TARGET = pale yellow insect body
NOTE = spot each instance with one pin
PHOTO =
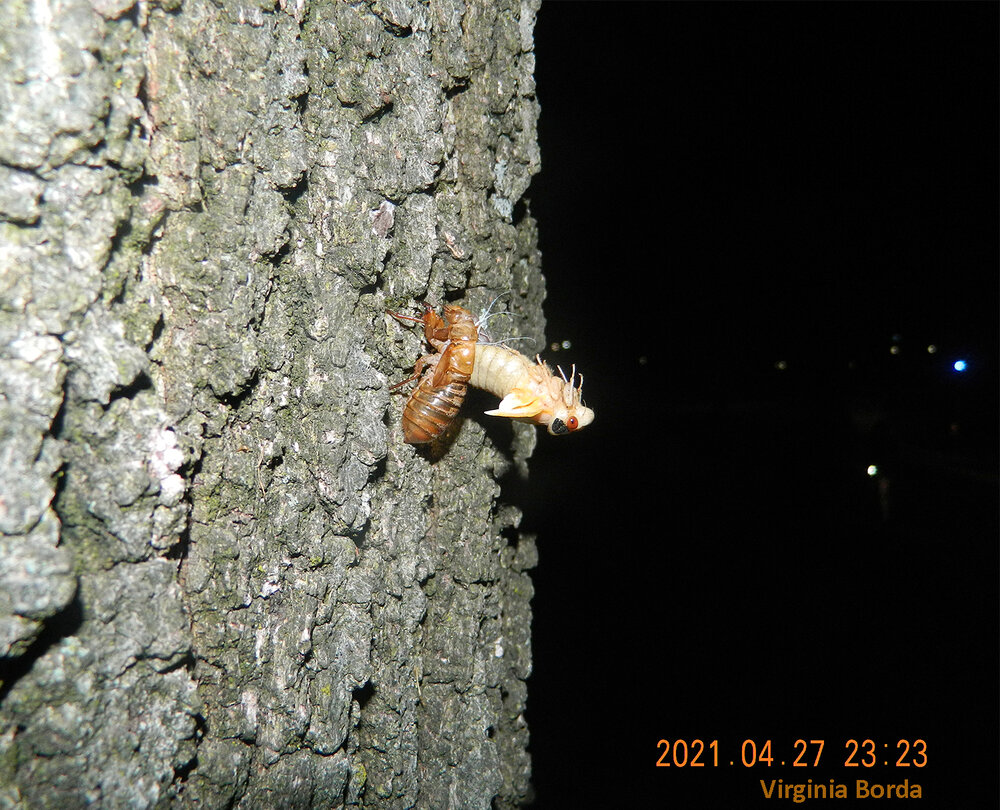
(529, 390)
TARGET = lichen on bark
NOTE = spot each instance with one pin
(225, 579)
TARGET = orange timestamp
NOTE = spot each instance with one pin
(866, 753)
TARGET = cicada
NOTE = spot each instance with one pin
(528, 389)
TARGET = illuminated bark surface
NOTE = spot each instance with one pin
(224, 579)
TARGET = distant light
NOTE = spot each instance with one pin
(894, 350)
(566, 344)
(872, 470)
(781, 365)
(932, 349)
(960, 366)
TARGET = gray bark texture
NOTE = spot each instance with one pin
(224, 579)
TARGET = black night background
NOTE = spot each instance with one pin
(770, 232)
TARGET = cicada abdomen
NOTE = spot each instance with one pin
(431, 409)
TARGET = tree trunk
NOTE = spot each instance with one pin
(224, 579)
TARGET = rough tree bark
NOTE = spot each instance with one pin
(224, 579)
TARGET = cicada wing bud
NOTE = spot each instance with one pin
(518, 405)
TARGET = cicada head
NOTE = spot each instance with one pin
(568, 414)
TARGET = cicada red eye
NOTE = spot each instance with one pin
(572, 423)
